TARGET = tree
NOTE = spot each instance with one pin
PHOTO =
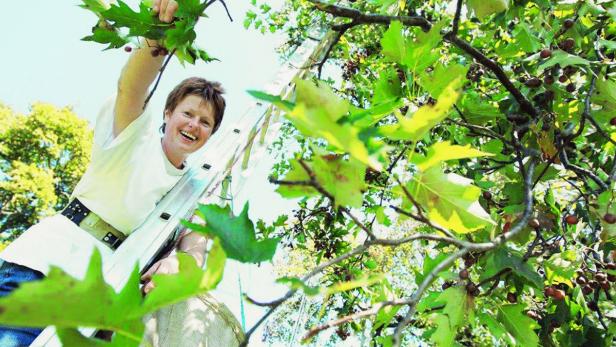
(42, 156)
(489, 122)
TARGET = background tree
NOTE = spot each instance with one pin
(42, 156)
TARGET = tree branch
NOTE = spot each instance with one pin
(359, 17)
(525, 104)
(160, 74)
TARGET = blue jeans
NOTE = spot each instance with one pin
(11, 275)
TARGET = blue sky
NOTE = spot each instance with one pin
(44, 60)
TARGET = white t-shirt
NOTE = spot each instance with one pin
(126, 177)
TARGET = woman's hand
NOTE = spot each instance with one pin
(166, 9)
(168, 265)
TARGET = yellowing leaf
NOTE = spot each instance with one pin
(484, 8)
(415, 127)
(320, 96)
(451, 200)
(343, 179)
(441, 78)
(444, 151)
(316, 121)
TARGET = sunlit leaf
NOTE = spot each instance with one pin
(444, 151)
(415, 127)
(236, 234)
(450, 200)
(343, 179)
(484, 8)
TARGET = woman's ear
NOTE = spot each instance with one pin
(167, 114)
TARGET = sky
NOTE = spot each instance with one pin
(45, 60)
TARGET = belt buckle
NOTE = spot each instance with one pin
(112, 240)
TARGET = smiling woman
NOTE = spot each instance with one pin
(193, 112)
(131, 169)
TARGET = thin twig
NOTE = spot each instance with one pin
(226, 9)
(349, 318)
(160, 74)
(339, 32)
(421, 216)
(422, 288)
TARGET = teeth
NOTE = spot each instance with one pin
(190, 136)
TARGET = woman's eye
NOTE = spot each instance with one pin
(187, 114)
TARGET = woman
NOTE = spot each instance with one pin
(131, 170)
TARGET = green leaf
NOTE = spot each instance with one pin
(343, 179)
(65, 302)
(122, 15)
(440, 79)
(417, 53)
(518, 324)
(444, 151)
(387, 87)
(295, 283)
(429, 264)
(525, 39)
(394, 43)
(563, 59)
(415, 127)
(106, 36)
(96, 6)
(190, 8)
(450, 200)
(454, 314)
(561, 267)
(382, 293)
(485, 8)
(316, 114)
(320, 96)
(478, 110)
(495, 327)
(274, 99)
(605, 94)
(188, 282)
(236, 234)
(504, 258)
(366, 118)
(296, 174)
(182, 35)
(72, 337)
(421, 52)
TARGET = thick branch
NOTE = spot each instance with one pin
(525, 104)
(359, 17)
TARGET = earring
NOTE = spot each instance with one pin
(162, 128)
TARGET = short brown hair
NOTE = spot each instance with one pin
(209, 91)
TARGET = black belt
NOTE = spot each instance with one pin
(89, 221)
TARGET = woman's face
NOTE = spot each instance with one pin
(188, 128)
